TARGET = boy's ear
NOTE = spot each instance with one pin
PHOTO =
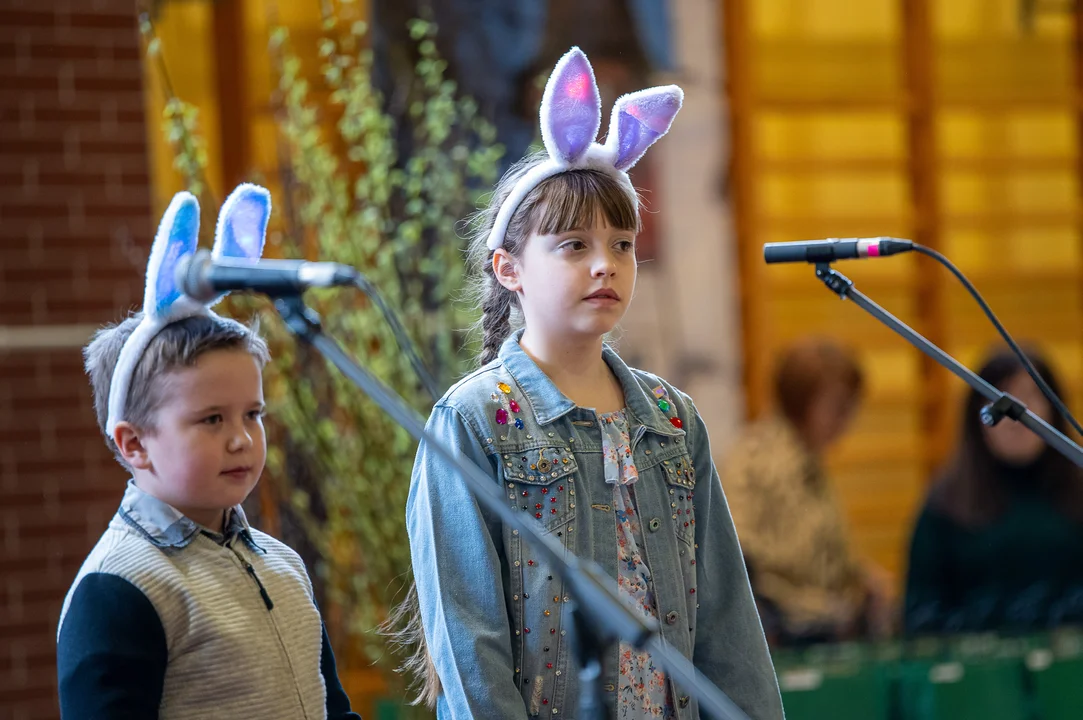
(129, 441)
(506, 270)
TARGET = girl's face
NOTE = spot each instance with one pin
(1008, 440)
(573, 284)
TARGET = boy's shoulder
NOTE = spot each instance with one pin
(274, 549)
(123, 551)
(165, 575)
(119, 553)
(157, 571)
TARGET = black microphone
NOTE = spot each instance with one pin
(815, 251)
(202, 278)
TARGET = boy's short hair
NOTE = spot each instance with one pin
(178, 345)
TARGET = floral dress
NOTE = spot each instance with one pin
(643, 690)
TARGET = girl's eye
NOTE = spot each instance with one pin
(255, 414)
(573, 245)
(626, 245)
(212, 419)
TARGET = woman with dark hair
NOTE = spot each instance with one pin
(999, 543)
(808, 582)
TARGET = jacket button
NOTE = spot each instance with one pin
(684, 701)
(672, 616)
(654, 524)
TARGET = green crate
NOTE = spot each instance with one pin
(837, 688)
(1056, 677)
(978, 689)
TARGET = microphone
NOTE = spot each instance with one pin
(816, 251)
(202, 278)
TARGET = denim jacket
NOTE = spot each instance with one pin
(496, 617)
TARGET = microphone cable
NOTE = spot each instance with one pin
(1027, 365)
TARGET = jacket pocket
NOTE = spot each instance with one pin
(680, 478)
(541, 481)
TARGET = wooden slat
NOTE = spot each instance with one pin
(919, 57)
(1006, 202)
(736, 39)
(231, 69)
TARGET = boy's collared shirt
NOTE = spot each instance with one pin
(166, 527)
(169, 619)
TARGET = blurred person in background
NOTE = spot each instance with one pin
(809, 584)
(999, 542)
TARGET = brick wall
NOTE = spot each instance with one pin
(74, 228)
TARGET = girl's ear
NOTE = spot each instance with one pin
(506, 270)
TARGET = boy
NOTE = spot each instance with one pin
(182, 610)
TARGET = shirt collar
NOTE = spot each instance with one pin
(166, 527)
(549, 404)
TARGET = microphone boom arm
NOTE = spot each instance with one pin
(1001, 403)
(597, 607)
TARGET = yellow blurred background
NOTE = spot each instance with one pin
(954, 124)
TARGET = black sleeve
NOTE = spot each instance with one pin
(111, 653)
(338, 704)
(927, 598)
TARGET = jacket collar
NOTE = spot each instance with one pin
(549, 404)
(166, 527)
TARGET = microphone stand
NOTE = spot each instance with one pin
(1001, 404)
(601, 617)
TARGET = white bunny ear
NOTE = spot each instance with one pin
(178, 236)
(163, 301)
(638, 120)
(242, 223)
(571, 108)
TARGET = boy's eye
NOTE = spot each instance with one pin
(212, 419)
(256, 414)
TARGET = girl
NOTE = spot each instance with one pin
(999, 543)
(613, 461)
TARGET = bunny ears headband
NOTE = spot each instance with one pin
(242, 225)
(571, 114)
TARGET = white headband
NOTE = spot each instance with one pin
(242, 226)
(571, 114)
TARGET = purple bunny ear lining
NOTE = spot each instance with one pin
(640, 119)
(571, 111)
(242, 223)
(633, 139)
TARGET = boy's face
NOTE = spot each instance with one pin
(208, 448)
